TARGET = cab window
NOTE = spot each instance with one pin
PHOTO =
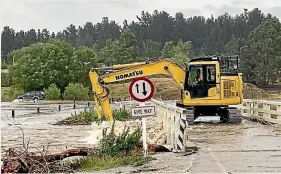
(211, 73)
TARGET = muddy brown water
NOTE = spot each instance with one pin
(37, 128)
(246, 148)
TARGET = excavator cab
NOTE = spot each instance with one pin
(211, 85)
(200, 79)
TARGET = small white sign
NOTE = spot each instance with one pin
(141, 111)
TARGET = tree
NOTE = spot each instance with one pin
(167, 51)
(7, 40)
(83, 60)
(261, 58)
(41, 64)
(181, 52)
(151, 49)
(76, 91)
(122, 50)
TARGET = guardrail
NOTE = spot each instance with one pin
(269, 111)
(174, 124)
(173, 119)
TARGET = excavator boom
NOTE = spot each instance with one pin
(130, 71)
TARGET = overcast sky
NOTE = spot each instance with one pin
(57, 15)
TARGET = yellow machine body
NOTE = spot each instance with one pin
(211, 95)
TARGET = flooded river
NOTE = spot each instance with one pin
(246, 148)
(37, 128)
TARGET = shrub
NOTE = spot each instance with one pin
(88, 117)
(112, 145)
(5, 80)
(120, 114)
(4, 65)
(52, 92)
(115, 151)
(11, 94)
(76, 91)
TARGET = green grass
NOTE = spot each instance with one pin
(91, 116)
(94, 163)
(88, 116)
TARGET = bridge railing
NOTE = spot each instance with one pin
(174, 123)
(269, 111)
(173, 119)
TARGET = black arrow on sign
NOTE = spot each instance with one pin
(137, 85)
(144, 90)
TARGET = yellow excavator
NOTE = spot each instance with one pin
(209, 86)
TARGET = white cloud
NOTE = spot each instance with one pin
(57, 15)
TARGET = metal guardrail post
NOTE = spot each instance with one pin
(13, 113)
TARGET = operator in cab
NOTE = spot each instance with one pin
(199, 75)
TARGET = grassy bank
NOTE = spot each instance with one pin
(114, 151)
(94, 163)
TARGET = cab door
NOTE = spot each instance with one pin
(213, 80)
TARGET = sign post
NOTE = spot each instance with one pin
(142, 89)
(143, 121)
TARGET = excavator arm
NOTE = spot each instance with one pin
(130, 71)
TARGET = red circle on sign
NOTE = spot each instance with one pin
(131, 89)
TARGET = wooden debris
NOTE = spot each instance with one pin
(21, 161)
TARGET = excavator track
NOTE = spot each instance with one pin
(234, 115)
(231, 115)
(190, 115)
(228, 114)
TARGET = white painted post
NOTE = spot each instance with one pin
(279, 111)
(169, 115)
(130, 102)
(256, 105)
(172, 123)
(248, 105)
(143, 120)
(266, 108)
(176, 126)
(279, 108)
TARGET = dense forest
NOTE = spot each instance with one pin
(253, 35)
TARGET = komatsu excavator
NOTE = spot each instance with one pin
(209, 86)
